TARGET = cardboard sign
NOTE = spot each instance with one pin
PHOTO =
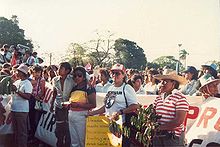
(98, 134)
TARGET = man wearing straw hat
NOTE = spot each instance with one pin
(172, 106)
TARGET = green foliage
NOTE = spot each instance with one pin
(75, 54)
(129, 54)
(115, 128)
(152, 65)
(167, 61)
(145, 125)
(11, 34)
(183, 53)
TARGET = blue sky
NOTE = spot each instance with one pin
(158, 26)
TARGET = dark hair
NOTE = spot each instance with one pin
(36, 68)
(136, 77)
(176, 84)
(34, 53)
(6, 46)
(66, 65)
(6, 65)
(81, 69)
(154, 72)
(104, 72)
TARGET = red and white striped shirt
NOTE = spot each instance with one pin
(167, 107)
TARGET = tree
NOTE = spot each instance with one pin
(129, 54)
(75, 54)
(167, 61)
(182, 55)
(11, 33)
(100, 49)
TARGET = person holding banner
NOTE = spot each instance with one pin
(83, 98)
(20, 106)
(120, 99)
(172, 106)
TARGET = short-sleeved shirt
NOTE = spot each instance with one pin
(20, 104)
(190, 88)
(167, 107)
(81, 94)
(63, 95)
(102, 88)
(116, 94)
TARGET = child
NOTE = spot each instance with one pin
(38, 92)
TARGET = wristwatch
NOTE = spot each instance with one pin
(121, 111)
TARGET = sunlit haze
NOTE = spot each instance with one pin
(158, 26)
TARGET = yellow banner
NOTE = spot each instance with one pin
(98, 134)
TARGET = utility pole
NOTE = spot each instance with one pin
(50, 56)
(179, 51)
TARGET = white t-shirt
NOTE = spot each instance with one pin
(20, 104)
(151, 89)
(102, 88)
(116, 94)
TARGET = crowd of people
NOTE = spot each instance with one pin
(74, 96)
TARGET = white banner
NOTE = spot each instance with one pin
(206, 129)
(202, 132)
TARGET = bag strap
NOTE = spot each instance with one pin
(126, 101)
(38, 85)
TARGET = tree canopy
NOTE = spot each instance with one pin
(11, 33)
(130, 54)
(166, 61)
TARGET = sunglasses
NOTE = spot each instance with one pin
(166, 81)
(78, 75)
(116, 73)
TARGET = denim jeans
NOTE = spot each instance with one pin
(62, 127)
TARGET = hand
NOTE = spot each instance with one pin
(115, 116)
(90, 113)
(14, 88)
(74, 104)
(38, 98)
(66, 104)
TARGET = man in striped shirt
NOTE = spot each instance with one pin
(172, 106)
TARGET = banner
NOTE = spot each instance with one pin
(202, 123)
(206, 129)
(5, 115)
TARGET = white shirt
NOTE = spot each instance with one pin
(20, 104)
(67, 88)
(102, 88)
(151, 89)
(117, 93)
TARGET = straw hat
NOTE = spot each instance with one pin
(207, 79)
(172, 76)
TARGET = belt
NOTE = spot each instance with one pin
(78, 109)
(165, 133)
